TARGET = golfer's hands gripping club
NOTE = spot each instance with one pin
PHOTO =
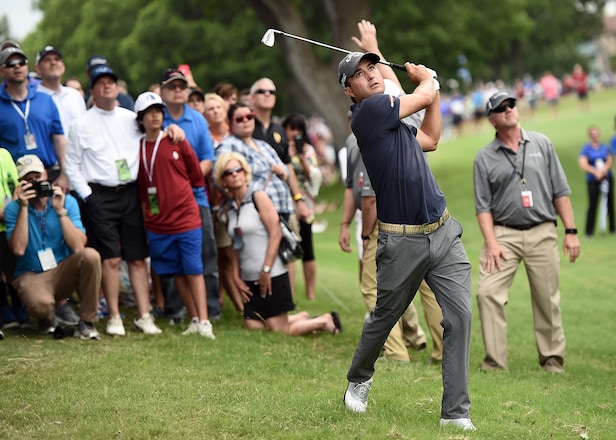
(418, 73)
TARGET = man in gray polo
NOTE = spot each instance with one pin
(520, 188)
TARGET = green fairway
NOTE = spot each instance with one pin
(269, 386)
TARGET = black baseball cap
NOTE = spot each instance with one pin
(48, 50)
(101, 71)
(171, 75)
(95, 61)
(497, 99)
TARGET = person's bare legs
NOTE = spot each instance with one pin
(254, 324)
(110, 284)
(138, 274)
(279, 323)
(298, 316)
(157, 290)
(310, 278)
(194, 295)
(307, 325)
(181, 283)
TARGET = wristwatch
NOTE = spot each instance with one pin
(572, 231)
(267, 269)
(62, 213)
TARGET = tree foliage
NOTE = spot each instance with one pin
(5, 29)
(220, 39)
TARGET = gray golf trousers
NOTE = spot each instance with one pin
(403, 261)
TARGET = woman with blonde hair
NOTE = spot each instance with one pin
(259, 273)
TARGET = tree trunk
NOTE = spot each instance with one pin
(316, 80)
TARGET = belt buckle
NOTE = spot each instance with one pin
(429, 228)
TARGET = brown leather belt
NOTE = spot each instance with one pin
(425, 229)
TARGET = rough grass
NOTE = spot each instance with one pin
(269, 386)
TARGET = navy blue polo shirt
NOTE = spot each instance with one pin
(406, 191)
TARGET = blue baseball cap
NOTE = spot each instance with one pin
(101, 71)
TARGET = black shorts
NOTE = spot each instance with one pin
(114, 223)
(279, 302)
(305, 232)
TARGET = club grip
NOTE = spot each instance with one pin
(397, 66)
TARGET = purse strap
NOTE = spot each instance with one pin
(268, 180)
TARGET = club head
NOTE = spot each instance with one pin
(269, 38)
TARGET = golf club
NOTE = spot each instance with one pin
(269, 38)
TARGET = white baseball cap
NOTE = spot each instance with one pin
(147, 100)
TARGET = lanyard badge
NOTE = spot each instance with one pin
(153, 200)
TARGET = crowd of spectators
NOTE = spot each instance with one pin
(115, 174)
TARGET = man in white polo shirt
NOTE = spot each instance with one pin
(70, 104)
(102, 162)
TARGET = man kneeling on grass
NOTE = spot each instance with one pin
(45, 232)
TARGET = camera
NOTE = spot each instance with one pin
(299, 141)
(42, 189)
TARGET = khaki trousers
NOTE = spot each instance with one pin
(433, 316)
(538, 249)
(79, 272)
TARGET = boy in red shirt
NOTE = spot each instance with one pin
(167, 173)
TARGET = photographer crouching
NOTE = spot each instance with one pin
(46, 235)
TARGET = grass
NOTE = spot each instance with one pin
(269, 386)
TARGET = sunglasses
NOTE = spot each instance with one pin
(248, 117)
(230, 171)
(501, 108)
(265, 91)
(16, 63)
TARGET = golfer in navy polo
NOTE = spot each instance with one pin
(417, 236)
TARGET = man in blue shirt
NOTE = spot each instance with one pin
(45, 232)
(30, 121)
(174, 92)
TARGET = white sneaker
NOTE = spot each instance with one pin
(205, 329)
(146, 325)
(115, 326)
(465, 424)
(356, 395)
(193, 327)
